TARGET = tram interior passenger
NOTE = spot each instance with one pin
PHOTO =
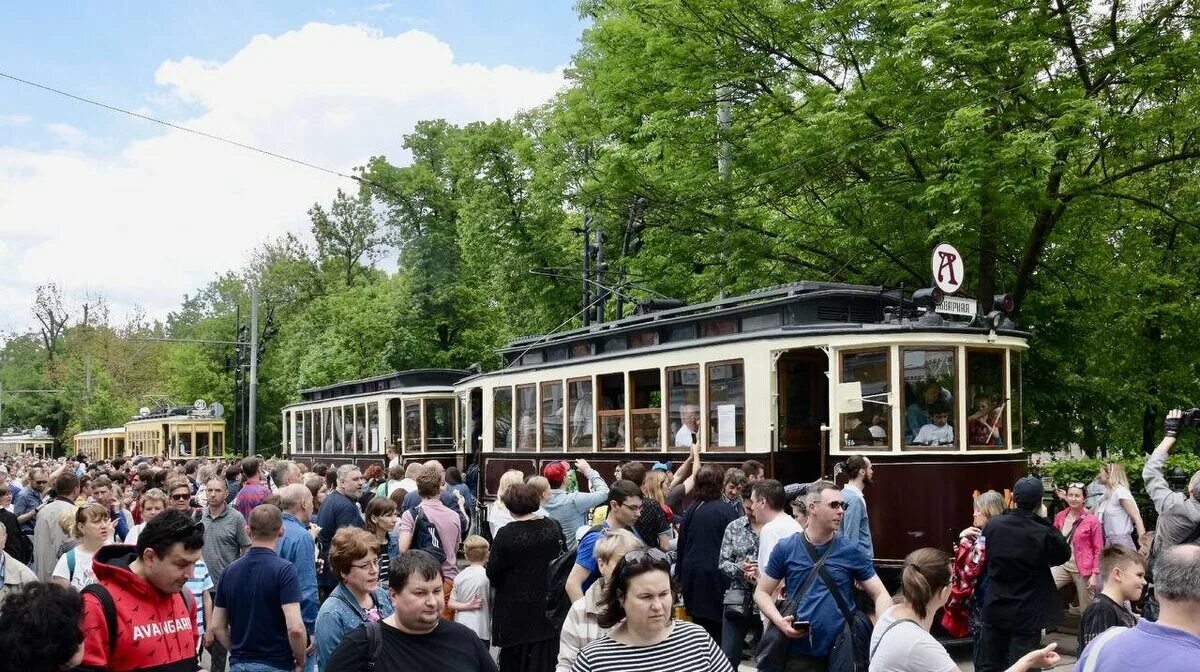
(918, 414)
(938, 431)
(859, 428)
(985, 426)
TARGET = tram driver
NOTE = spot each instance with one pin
(686, 436)
(938, 432)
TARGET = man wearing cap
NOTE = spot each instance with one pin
(570, 509)
(1021, 599)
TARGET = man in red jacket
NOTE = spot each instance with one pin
(138, 616)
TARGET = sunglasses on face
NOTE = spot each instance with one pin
(837, 505)
(179, 497)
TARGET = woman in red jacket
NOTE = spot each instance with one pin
(1086, 539)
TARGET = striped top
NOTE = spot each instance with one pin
(687, 649)
(201, 581)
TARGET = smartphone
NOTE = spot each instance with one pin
(694, 439)
(802, 626)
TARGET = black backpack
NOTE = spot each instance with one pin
(426, 537)
(558, 603)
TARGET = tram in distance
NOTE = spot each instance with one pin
(177, 432)
(798, 377)
(19, 442)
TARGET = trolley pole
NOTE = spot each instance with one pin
(253, 429)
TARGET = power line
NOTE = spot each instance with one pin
(178, 127)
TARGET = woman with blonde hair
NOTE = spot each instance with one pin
(93, 529)
(582, 626)
(901, 641)
(655, 488)
(498, 515)
(1117, 511)
(964, 609)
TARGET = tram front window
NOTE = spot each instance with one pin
(502, 419)
(987, 414)
(929, 384)
(439, 424)
(871, 427)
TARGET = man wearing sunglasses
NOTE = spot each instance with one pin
(842, 563)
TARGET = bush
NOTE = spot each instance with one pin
(1062, 472)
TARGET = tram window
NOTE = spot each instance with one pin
(643, 339)
(218, 443)
(373, 431)
(412, 426)
(396, 438)
(339, 429)
(326, 430)
(987, 412)
(616, 344)
(1017, 411)
(718, 328)
(611, 412)
(526, 417)
(581, 350)
(502, 419)
(871, 427)
(287, 432)
(532, 357)
(727, 405)
(929, 384)
(439, 424)
(556, 354)
(761, 321)
(685, 333)
(582, 420)
(202, 442)
(646, 411)
(552, 416)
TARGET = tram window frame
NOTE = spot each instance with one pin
(713, 408)
(649, 412)
(509, 445)
(973, 396)
(546, 394)
(526, 437)
(373, 427)
(605, 414)
(588, 415)
(675, 413)
(953, 404)
(886, 411)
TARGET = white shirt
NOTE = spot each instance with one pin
(772, 533)
(132, 537)
(906, 648)
(472, 581)
(83, 576)
(932, 435)
(683, 438)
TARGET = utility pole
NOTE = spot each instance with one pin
(253, 426)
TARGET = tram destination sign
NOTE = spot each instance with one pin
(947, 266)
(958, 305)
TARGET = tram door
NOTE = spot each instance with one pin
(802, 406)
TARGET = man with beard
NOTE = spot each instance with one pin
(855, 525)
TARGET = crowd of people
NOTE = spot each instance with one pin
(258, 566)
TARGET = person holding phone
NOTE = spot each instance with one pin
(687, 434)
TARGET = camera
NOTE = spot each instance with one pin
(1191, 418)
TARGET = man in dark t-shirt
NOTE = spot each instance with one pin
(414, 637)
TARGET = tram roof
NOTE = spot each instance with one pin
(25, 435)
(410, 380)
(101, 432)
(800, 308)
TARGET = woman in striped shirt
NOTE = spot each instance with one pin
(638, 604)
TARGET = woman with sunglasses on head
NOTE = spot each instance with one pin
(358, 597)
(582, 626)
(638, 605)
(901, 641)
(1084, 536)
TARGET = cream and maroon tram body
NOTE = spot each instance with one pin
(357, 421)
(797, 377)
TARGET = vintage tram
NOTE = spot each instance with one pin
(179, 432)
(416, 412)
(37, 442)
(798, 377)
(101, 444)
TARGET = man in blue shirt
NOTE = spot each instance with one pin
(26, 503)
(856, 526)
(297, 547)
(257, 615)
(624, 507)
(792, 562)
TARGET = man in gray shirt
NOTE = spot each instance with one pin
(225, 540)
(1178, 513)
(571, 509)
(48, 535)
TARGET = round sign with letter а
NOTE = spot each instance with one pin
(947, 268)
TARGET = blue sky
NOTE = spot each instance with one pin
(110, 50)
(102, 203)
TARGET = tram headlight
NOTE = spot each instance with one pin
(927, 297)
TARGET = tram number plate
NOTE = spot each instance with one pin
(958, 305)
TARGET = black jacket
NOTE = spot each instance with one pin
(1021, 549)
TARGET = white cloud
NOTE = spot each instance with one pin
(381, 7)
(15, 119)
(163, 215)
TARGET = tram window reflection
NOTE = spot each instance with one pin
(552, 416)
(683, 390)
(502, 418)
(526, 417)
(987, 415)
(929, 382)
(439, 424)
(1015, 402)
(611, 413)
(412, 426)
(870, 427)
(646, 411)
(582, 420)
(727, 405)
